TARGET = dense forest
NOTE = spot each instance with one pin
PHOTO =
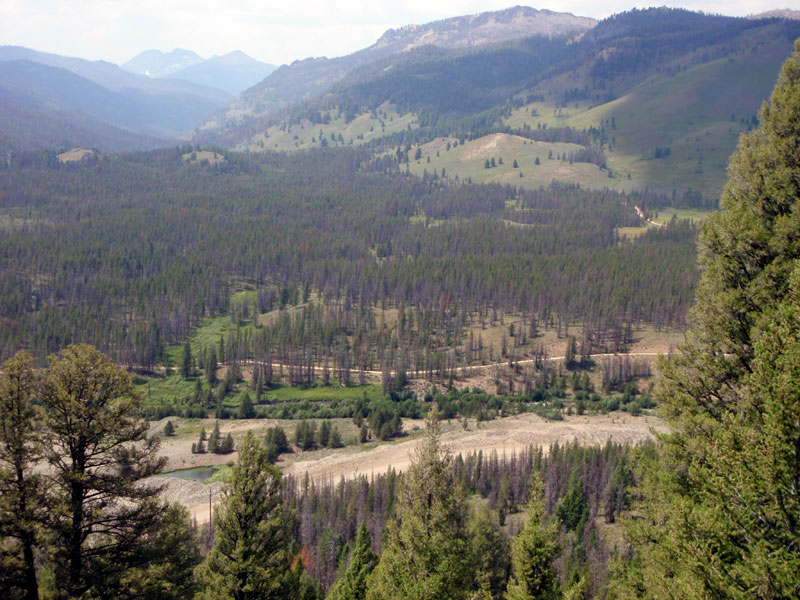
(129, 253)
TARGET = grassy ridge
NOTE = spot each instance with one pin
(698, 113)
(305, 135)
(468, 162)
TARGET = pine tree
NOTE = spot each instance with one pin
(325, 434)
(210, 366)
(226, 446)
(253, 544)
(721, 501)
(186, 360)
(214, 440)
(336, 438)
(246, 409)
(201, 443)
(533, 553)
(276, 443)
(352, 584)
(488, 555)
(169, 429)
(98, 452)
(426, 546)
(22, 500)
(170, 554)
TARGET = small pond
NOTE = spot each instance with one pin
(195, 474)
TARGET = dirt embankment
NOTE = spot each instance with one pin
(502, 435)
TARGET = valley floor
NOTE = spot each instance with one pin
(506, 435)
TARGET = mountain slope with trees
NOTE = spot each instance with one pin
(306, 78)
(605, 85)
(27, 128)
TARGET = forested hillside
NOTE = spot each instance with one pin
(655, 98)
(305, 79)
(129, 253)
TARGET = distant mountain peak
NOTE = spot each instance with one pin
(230, 73)
(155, 63)
(484, 28)
(303, 78)
(778, 13)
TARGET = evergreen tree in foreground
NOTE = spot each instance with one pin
(426, 556)
(98, 453)
(21, 495)
(352, 584)
(720, 513)
(254, 539)
(533, 552)
(170, 554)
(101, 533)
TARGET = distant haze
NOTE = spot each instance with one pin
(233, 73)
(271, 32)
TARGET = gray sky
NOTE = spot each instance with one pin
(274, 32)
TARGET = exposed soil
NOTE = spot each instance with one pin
(194, 495)
(502, 435)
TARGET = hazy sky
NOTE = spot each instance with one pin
(274, 32)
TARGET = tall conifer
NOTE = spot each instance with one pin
(253, 544)
(533, 553)
(21, 493)
(426, 556)
(720, 516)
(352, 585)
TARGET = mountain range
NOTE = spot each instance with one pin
(72, 99)
(233, 72)
(656, 97)
(304, 78)
(647, 98)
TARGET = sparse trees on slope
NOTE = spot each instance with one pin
(253, 545)
(722, 505)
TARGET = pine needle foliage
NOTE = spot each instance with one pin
(98, 453)
(352, 585)
(254, 541)
(533, 553)
(426, 556)
(720, 511)
(22, 501)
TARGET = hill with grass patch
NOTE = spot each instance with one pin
(655, 98)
